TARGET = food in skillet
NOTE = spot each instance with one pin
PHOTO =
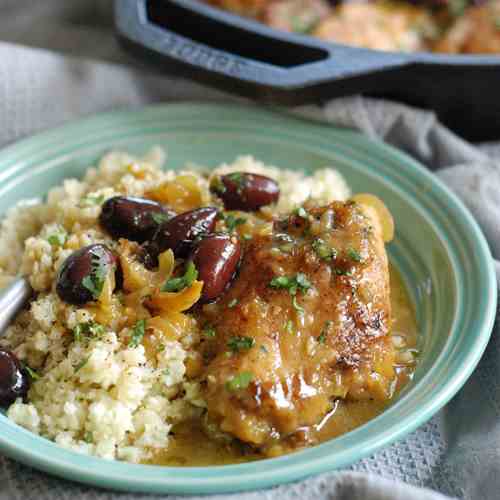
(200, 318)
(453, 26)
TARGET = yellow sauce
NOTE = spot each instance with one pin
(189, 445)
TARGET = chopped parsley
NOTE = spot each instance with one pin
(343, 272)
(217, 185)
(300, 212)
(209, 332)
(289, 326)
(354, 255)
(92, 199)
(137, 333)
(94, 282)
(185, 281)
(323, 250)
(81, 364)
(296, 305)
(240, 381)
(240, 343)
(161, 348)
(247, 237)
(88, 329)
(159, 218)
(58, 239)
(292, 284)
(233, 222)
(299, 282)
(88, 437)
(32, 373)
(324, 332)
(238, 178)
(232, 303)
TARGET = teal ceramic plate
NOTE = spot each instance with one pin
(438, 248)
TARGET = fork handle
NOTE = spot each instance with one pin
(12, 300)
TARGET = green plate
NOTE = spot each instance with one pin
(439, 249)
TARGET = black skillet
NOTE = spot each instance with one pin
(245, 57)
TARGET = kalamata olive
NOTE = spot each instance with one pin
(216, 258)
(135, 219)
(82, 275)
(14, 381)
(244, 191)
(180, 232)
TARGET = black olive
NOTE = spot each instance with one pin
(244, 191)
(14, 381)
(81, 276)
(216, 258)
(135, 219)
(180, 233)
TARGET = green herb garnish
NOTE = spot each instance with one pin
(240, 343)
(240, 381)
(323, 250)
(32, 373)
(81, 364)
(289, 326)
(238, 178)
(159, 218)
(94, 282)
(88, 437)
(354, 255)
(299, 282)
(233, 222)
(217, 185)
(209, 332)
(292, 284)
(300, 212)
(343, 272)
(324, 332)
(92, 199)
(137, 333)
(232, 303)
(58, 239)
(296, 305)
(185, 281)
(88, 329)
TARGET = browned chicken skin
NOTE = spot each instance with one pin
(477, 31)
(305, 322)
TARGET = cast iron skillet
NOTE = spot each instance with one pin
(245, 57)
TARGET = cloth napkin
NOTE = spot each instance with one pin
(457, 453)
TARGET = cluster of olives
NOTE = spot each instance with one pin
(190, 235)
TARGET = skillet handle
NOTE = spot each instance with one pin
(211, 43)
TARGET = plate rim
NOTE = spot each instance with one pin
(283, 472)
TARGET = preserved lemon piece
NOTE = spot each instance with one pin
(182, 194)
(135, 275)
(177, 301)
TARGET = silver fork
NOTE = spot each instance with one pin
(12, 299)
